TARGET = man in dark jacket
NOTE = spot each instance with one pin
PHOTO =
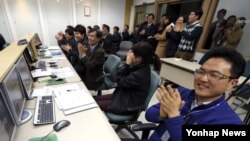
(92, 59)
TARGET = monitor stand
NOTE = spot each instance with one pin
(26, 116)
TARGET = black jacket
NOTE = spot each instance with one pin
(107, 43)
(132, 88)
(92, 67)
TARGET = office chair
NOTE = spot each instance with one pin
(242, 92)
(108, 78)
(125, 121)
(124, 47)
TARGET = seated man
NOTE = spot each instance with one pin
(219, 71)
(91, 59)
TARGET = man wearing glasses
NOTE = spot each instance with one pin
(206, 104)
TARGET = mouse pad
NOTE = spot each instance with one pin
(50, 137)
(55, 82)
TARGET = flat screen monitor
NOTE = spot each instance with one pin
(25, 76)
(7, 124)
(15, 97)
(28, 57)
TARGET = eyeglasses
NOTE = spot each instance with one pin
(211, 75)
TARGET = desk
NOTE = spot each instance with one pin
(61, 62)
(89, 125)
(181, 72)
(9, 56)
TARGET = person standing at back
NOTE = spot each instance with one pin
(220, 21)
(190, 36)
(106, 39)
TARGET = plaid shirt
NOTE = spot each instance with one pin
(189, 37)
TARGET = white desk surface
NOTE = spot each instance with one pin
(89, 125)
(62, 62)
(182, 72)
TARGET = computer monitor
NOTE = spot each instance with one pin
(37, 40)
(15, 97)
(33, 52)
(25, 76)
(28, 57)
(7, 124)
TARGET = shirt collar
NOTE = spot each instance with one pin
(195, 22)
(195, 103)
(92, 47)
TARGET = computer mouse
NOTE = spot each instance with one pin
(60, 125)
(59, 79)
(53, 76)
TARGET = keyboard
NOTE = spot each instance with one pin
(44, 111)
(41, 65)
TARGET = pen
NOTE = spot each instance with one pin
(70, 90)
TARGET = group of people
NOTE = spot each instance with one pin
(85, 51)
(219, 71)
(171, 38)
(225, 32)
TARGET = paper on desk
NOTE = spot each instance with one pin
(73, 99)
(81, 108)
(41, 91)
(53, 47)
(64, 89)
(60, 70)
(40, 73)
(65, 74)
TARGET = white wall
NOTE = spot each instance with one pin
(46, 17)
(113, 12)
(4, 30)
(239, 8)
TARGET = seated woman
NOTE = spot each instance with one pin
(133, 80)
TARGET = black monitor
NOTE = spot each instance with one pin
(37, 40)
(28, 57)
(7, 124)
(15, 97)
(25, 76)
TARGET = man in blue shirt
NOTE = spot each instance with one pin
(219, 72)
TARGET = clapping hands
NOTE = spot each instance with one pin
(170, 102)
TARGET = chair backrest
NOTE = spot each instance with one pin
(125, 45)
(154, 83)
(247, 69)
(111, 65)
